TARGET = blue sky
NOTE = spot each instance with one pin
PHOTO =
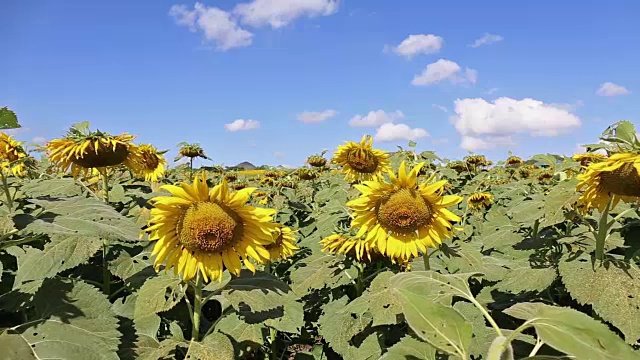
(172, 71)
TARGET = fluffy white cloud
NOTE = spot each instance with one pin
(445, 70)
(392, 132)
(308, 117)
(217, 26)
(611, 89)
(279, 13)
(375, 118)
(487, 39)
(472, 143)
(483, 124)
(39, 140)
(242, 125)
(419, 44)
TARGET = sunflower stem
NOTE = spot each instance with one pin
(535, 230)
(106, 274)
(5, 187)
(359, 281)
(105, 185)
(190, 169)
(197, 308)
(601, 235)
(425, 259)
(273, 336)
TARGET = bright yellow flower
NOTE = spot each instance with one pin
(148, 163)
(12, 156)
(360, 161)
(479, 201)
(284, 245)
(403, 218)
(204, 230)
(588, 158)
(616, 178)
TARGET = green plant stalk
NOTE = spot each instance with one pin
(535, 229)
(537, 347)
(273, 336)
(603, 230)
(197, 308)
(106, 274)
(359, 281)
(5, 187)
(190, 169)
(425, 258)
(487, 316)
(500, 349)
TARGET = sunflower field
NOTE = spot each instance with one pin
(107, 253)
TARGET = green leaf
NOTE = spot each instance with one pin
(117, 194)
(247, 335)
(133, 270)
(613, 291)
(525, 278)
(573, 332)
(8, 119)
(469, 258)
(379, 300)
(216, 346)
(61, 253)
(625, 130)
(79, 216)
(560, 198)
(319, 271)
(440, 325)
(156, 295)
(434, 286)
(409, 348)
(73, 321)
(51, 187)
(528, 210)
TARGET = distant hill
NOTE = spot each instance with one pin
(245, 166)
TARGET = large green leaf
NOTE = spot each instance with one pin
(79, 216)
(216, 346)
(157, 294)
(62, 253)
(560, 198)
(613, 291)
(248, 335)
(573, 332)
(379, 300)
(409, 348)
(8, 119)
(73, 320)
(51, 187)
(436, 287)
(319, 271)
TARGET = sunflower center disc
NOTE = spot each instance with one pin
(208, 227)
(150, 160)
(623, 181)
(403, 212)
(104, 156)
(363, 161)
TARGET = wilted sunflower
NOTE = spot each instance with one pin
(545, 177)
(458, 166)
(12, 156)
(82, 150)
(477, 161)
(616, 178)
(403, 218)
(272, 174)
(348, 246)
(588, 158)
(240, 186)
(514, 161)
(317, 160)
(360, 161)
(149, 162)
(307, 174)
(284, 183)
(524, 172)
(206, 231)
(190, 151)
(267, 181)
(479, 201)
(284, 245)
(231, 176)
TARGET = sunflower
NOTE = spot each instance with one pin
(12, 156)
(479, 201)
(616, 178)
(514, 161)
(360, 161)
(204, 230)
(81, 151)
(307, 174)
(402, 218)
(348, 246)
(545, 177)
(477, 161)
(588, 158)
(267, 181)
(284, 245)
(240, 185)
(190, 151)
(149, 163)
(458, 166)
(231, 177)
(317, 161)
(524, 172)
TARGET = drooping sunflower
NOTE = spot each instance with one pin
(616, 178)
(545, 177)
(588, 158)
(12, 156)
(204, 230)
(317, 160)
(284, 245)
(360, 161)
(514, 161)
(479, 201)
(477, 161)
(403, 218)
(348, 246)
(190, 151)
(231, 176)
(81, 150)
(458, 166)
(149, 163)
(307, 174)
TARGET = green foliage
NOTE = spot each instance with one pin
(8, 119)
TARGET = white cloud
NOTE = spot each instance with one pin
(242, 125)
(418, 44)
(472, 143)
(581, 150)
(217, 25)
(569, 107)
(279, 13)
(39, 140)
(17, 131)
(491, 91)
(611, 89)
(445, 70)
(308, 117)
(375, 118)
(440, 107)
(391, 132)
(481, 123)
(487, 39)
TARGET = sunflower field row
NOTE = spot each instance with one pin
(107, 253)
